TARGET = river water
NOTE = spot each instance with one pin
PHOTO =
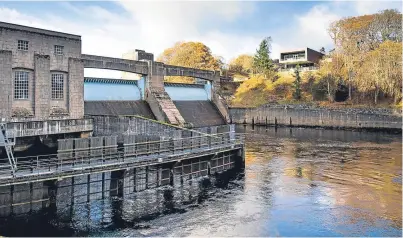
(297, 182)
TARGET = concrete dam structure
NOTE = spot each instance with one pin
(125, 97)
(65, 138)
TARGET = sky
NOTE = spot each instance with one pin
(229, 28)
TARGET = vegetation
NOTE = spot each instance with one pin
(242, 65)
(297, 85)
(365, 66)
(190, 54)
(262, 64)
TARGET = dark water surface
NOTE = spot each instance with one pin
(299, 182)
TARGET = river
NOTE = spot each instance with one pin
(297, 182)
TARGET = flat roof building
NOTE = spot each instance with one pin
(305, 58)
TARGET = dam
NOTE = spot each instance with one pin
(61, 130)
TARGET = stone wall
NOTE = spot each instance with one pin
(5, 83)
(76, 88)
(300, 115)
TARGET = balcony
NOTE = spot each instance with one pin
(301, 69)
(293, 59)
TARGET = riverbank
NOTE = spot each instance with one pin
(292, 115)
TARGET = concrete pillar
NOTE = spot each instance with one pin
(158, 99)
(76, 88)
(88, 187)
(42, 86)
(159, 175)
(135, 180)
(6, 199)
(103, 185)
(146, 177)
(6, 83)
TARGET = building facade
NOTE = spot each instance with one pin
(41, 74)
(307, 59)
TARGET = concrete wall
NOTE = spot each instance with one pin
(39, 128)
(293, 115)
(313, 55)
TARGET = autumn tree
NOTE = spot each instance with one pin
(241, 64)
(262, 63)
(190, 54)
(357, 40)
(331, 71)
(382, 71)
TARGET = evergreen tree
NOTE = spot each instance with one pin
(261, 60)
(297, 84)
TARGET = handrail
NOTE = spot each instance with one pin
(140, 152)
(138, 143)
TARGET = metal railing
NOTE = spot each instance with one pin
(139, 153)
(310, 68)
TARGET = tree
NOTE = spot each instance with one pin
(190, 54)
(241, 64)
(261, 61)
(331, 71)
(297, 84)
(381, 71)
(356, 39)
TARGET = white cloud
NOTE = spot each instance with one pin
(152, 26)
(155, 26)
(369, 7)
(310, 28)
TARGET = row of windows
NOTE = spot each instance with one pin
(21, 85)
(23, 45)
(294, 56)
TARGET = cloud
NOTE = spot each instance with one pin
(310, 28)
(152, 26)
(155, 26)
(369, 7)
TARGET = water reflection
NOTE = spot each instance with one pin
(298, 182)
(357, 180)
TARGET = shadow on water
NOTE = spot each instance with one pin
(117, 213)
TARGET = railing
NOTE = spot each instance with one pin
(293, 59)
(310, 68)
(102, 157)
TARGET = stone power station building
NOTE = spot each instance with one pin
(41, 74)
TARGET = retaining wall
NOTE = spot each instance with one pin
(301, 115)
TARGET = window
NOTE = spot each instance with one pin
(21, 85)
(59, 49)
(57, 86)
(22, 45)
